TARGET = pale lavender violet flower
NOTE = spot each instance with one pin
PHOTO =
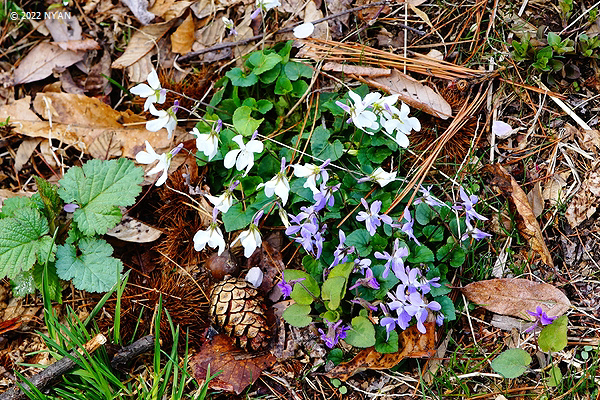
(335, 332)
(540, 318)
(340, 255)
(311, 172)
(372, 217)
(287, 287)
(418, 309)
(324, 197)
(468, 204)
(428, 198)
(408, 226)
(71, 207)
(368, 281)
(361, 263)
(394, 261)
(473, 232)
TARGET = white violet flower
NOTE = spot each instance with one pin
(208, 143)
(278, 185)
(224, 201)
(380, 176)
(166, 119)
(229, 25)
(164, 161)
(359, 115)
(304, 30)
(254, 277)
(250, 239)
(267, 4)
(211, 236)
(398, 121)
(311, 172)
(244, 156)
(153, 92)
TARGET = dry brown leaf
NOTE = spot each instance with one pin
(312, 13)
(585, 202)
(142, 42)
(139, 8)
(10, 325)
(41, 61)
(80, 120)
(133, 230)
(238, 368)
(411, 344)
(79, 45)
(368, 14)
(420, 14)
(516, 296)
(356, 69)
(536, 199)
(139, 70)
(553, 189)
(204, 8)
(413, 93)
(63, 30)
(67, 83)
(106, 146)
(24, 152)
(526, 222)
(590, 140)
(183, 37)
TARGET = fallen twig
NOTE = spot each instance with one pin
(226, 45)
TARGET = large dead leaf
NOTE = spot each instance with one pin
(63, 30)
(141, 43)
(139, 8)
(81, 120)
(516, 296)
(585, 202)
(41, 61)
(413, 93)
(238, 368)
(526, 222)
(24, 152)
(133, 230)
(411, 344)
(183, 38)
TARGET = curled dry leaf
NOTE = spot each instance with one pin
(526, 223)
(413, 93)
(238, 368)
(39, 63)
(411, 344)
(79, 45)
(135, 231)
(24, 152)
(356, 69)
(183, 38)
(585, 202)
(139, 8)
(517, 296)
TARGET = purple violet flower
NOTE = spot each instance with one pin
(428, 198)
(394, 261)
(473, 232)
(335, 332)
(324, 197)
(408, 226)
(287, 287)
(468, 204)
(340, 255)
(418, 308)
(71, 207)
(540, 318)
(364, 303)
(368, 281)
(372, 217)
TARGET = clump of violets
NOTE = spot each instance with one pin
(371, 217)
(306, 230)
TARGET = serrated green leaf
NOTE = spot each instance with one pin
(553, 337)
(21, 241)
(99, 188)
(270, 76)
(300, 88)
(420, 254)
(362, 333)
(49, 196)
(94, 270)
(244, 123)
(447, 307)
(384, 345)
(238, 78)
(304, 292)
(297, 315)
(433, 233)
(263, 106)
(511, 363)
(13, 204)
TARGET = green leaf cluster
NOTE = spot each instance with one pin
(39, 245)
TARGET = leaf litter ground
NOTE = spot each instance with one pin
(551, 157)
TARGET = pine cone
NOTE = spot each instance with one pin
(237, 307)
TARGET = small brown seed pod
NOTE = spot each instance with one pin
(222, 265)
(237, 308)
